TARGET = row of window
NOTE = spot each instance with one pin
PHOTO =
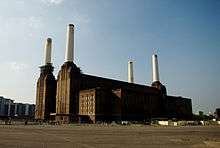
(87, 113)
(85, 108)
(87, 97)
(87, 103)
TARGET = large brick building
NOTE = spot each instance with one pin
(75, 96)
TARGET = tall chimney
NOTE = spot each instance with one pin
(155, 68)
(130, 72)
(47, 51)
(69, 43)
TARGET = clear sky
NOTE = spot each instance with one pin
(108, 34)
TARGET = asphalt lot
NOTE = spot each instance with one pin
(102, 136)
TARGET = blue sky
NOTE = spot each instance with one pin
(108, 34)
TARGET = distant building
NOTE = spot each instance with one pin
(217, 113)
(10, 109)
(201, 113)
(30, 110)
(6, 106)
(18, 109)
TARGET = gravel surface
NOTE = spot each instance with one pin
(107, 136)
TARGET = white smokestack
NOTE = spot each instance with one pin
(47, 51)
(130, 72)
(155, 68)
(69, 43)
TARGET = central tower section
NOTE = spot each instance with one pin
(68, 83)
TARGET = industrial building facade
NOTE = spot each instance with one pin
(75, 96)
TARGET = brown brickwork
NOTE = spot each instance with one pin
(67, 92)
(46, 93)
(87, 105)
(99, 104)
(91, 99)
(179, 107)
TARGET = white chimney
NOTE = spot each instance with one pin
(47, 51)
(69, 43)
(155, 68)
(130, 72)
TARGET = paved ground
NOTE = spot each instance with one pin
(96, 136)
